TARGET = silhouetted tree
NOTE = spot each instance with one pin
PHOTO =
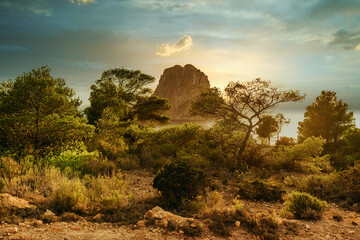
(281, 121)
(244, 104)
(267, 127)
(326, 117)
(126, 92)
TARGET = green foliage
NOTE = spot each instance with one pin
(126, 93)
(285, 141)
(173, 143)
(83, 162)
(326, 117)
(350, 151)
(38, 114)
(178, 181)
(244, 104)
(304, 206)
(267, 127)
(259, 189)
(303, 157)
(325, 187)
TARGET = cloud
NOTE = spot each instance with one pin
(182, 45)
(79, 2)
(346, 40)
(39, 7)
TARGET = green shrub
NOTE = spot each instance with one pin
(322, 186)
(304, 206)
(177, 181)
(85, 162)
(260, 190)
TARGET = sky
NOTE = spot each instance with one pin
(310, 45)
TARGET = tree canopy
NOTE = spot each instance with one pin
(38, 111)
(244, 104)
(126, 92)
(267, 127)
(326, 117)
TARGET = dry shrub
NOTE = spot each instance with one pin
(303, 206)
(266, 227)
(107, 193)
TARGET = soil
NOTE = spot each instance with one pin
(337, 223)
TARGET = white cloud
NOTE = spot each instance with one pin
(79, 2)
(182, 45)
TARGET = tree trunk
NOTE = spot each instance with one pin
(242, 147)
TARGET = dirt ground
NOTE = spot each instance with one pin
(336, 223)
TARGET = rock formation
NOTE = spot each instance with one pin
(181, 85)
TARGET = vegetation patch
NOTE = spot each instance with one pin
(303, 206)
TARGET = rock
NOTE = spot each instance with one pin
(8, 202)
(37, 223)
(163, 218)
(181, 232)
(71, 217)
(307, 226)
(237, 223)
(181, 85)
(49, 216)
(141, 223)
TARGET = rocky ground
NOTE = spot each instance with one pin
(336, 223)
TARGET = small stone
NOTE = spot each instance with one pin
(351, 232)
(164, 223)
(141, 223)
(237, 223)
(37, 223)
(193, 225)
(307, 226)
(181, 232)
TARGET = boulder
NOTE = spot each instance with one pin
(8, 202)
(181, 85)
(167, 219)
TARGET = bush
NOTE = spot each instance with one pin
(107, 193)
(321, 186)
(260, 190)
(9, 168)
(177, 181)
(263, 226)
(304, 206)
(85, 162)
(69, 196)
